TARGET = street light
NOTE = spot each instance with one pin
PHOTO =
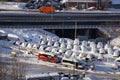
(98, 4)
(75, 29)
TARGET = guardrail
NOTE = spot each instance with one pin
(58, 26)
(58, 20)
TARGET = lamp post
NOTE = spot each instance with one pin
(75, 29)
(99, 4)
(51, 12)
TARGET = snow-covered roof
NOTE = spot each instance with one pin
(12, 37)
(62, 50)
(3, 34)
(61, 40)
(56, 44)
(84, 49)
(62, 45)
(99, 45)
(43, 42)
(75, 54)
(55, 50)
(49, 38)
(70, 59)
(2, 31)
(116, 53)
(50, 43)
(110, 51)
(76, 48)
(90, 56)
(48, 49)
(84, 43)
(42, 47)
(69, 52)
(76, 42)
(69, 46)
(23, 44)
(101, 50)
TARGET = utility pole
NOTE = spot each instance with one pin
(106, 4)
(75, 29)
(99, 4)
(51, 12)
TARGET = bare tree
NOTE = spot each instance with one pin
(12, 70)
(0, 67)
(18, 70)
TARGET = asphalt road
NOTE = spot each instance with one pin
(37, 69)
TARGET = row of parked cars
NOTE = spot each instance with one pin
(69, 52)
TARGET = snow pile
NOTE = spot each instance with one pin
(115, 42)
(110, 32)
(12, 36)
(11, 5)
(2, 31)
(27, 35)
(107, 31)
(42, 75)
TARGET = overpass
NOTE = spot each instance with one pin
(58, 20)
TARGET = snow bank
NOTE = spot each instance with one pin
(115, 42)
(11, 5)
(28, 35)
(2, 31)
(42, 75)
(13, 37)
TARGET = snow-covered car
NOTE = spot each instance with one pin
(116, 53)
(117, 59)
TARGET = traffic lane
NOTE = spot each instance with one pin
(37, 69)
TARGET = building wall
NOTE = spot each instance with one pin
(81, 5)
(98, 4)
(72, 4)
(92, 4)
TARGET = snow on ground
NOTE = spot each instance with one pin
(12, 5)
(115, 41)
(33, 36)
(90, 77)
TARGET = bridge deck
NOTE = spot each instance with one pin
(59, 20)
